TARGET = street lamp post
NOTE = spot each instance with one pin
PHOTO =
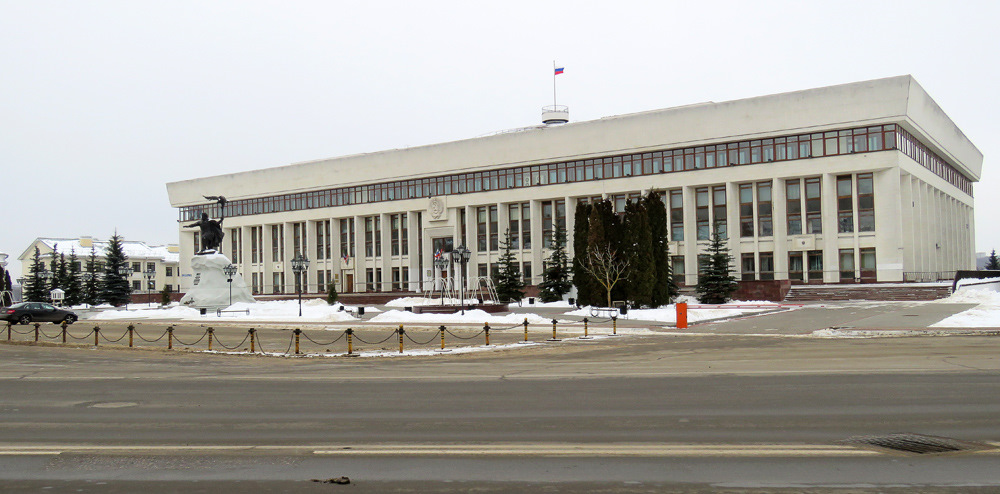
(126, 272)
(47, 276)
(461, 256)
(149, 274)
(230, 271)
(299, 264)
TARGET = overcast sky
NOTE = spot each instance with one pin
(104, 102)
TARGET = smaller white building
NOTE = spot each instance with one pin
(161, 260)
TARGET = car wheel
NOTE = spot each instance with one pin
(70, 319)
(25, 319)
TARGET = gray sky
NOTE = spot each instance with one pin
(104, 102)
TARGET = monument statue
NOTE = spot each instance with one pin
(211, 230)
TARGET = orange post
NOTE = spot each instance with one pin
(682, 315)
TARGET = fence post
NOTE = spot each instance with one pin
(614, 325)
(210, 333)
(486, 329)
(97, 331)
(682, 315)
(525, 329)
(64, 331)
(297, 333)
(441, 328)
(131, 330)
(8, 331)
(586, 333)
(554, 338)
(36, 331)
(252, 346)
(350, 348)
(401, 332)
(170, 337)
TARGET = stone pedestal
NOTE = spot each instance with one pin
(210, 290)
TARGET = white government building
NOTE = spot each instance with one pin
(868, 181)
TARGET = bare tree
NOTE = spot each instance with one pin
(604, 264)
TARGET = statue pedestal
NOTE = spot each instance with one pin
(210, 290)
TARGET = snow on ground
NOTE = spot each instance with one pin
(474, 317)
(415, 301)
(275, 310)
(984, 315)
(538, 303)
(699, 312)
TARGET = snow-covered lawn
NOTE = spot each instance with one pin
(275, 310)
(696, 312)
(473, 317)
(984, 315)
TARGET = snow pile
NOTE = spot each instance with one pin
(668, 313)
(562, 304)
(474, 317)
(415, 301)
(988, 284)
(984, 315)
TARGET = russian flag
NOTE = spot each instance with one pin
(559, 70)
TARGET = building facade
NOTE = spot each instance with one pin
(869, 181)
(162, 261)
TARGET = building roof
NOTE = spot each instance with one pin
(134, 249)
(892, 100)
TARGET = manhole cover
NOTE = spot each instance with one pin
(917, 443)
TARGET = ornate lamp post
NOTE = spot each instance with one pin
(126, 271)
(230, 271)
(441, 263)
(299, 264)
(149, 274)
(461, 256)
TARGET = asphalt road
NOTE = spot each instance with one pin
(633, 414)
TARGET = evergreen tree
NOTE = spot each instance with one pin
(115, 288)
(584, 282)
(54, 281)
(993, 263)
(637, 248)
(664, 287)
(331, 294)
(165, 295)
(716, 282)
(508, 282)
(63, 275)
(91, 281)
(34, 289)
(555, 278)
(74, 291)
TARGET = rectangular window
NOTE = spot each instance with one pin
(494, 225)
(746, 210)
(378, 236)
(234, 244)
(136, 267)
(764, 225)
(866, 203)
(298, 239)
(347, 237)
(396, 279)
(321, 281)
(481, 233)
(846, 264)
(677, 269)
(719, 211)
(867, 264)
(404, 234)
(394, 234)
(526, 225)
(369, 236)
(676, 215)
(748, 269)
(766, 265)
(320, 240)
(151, 266)
(513, 222)
(254, 245)
(815, 258)
(793, 206)
(701, 202)
(814, 220)
(369, 280)
(526, 272)
(845, 205)
(795, 266)
(547, 212)
(277, 243)
(136, 285)
(168, 271)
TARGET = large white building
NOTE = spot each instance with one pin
(869, 181)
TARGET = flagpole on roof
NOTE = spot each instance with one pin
(554, 83)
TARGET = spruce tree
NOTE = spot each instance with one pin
(584, 282)
(54, 280)
(637, 247)
(91, 281)
(664, 287)
(508, 282)
(74, 291)
(555, 278)
(716, 282)
(331, 294)
(165, 295)
(63, 274)
(34, 289)
(115, 288)
(993, 263)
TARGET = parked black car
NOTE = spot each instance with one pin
(27, 312)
